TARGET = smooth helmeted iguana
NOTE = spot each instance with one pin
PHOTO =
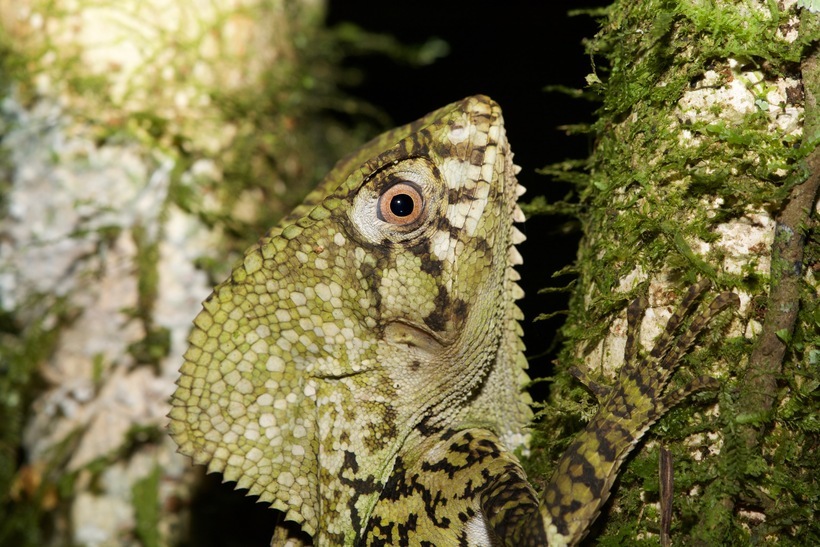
(362, 369)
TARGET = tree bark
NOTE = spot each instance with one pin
(145, 144)
(702, 167)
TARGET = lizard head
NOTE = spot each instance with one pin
(381, 307)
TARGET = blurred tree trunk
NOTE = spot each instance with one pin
(145, 143)
(705, 166)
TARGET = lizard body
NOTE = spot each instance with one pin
(362, 369)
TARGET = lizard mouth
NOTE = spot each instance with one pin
(414, 335)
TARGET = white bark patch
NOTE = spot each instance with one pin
(718, 98)
(714, 99)
(747, 240)
(76, 212)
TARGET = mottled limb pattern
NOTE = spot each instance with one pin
(458, 491)
(584, 476)
(362, 369)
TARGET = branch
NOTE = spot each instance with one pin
(759, 383)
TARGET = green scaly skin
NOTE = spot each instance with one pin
(363, 372)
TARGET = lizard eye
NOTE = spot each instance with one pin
(401, 204)
(398, 202)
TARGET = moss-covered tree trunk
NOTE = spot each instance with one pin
(704, 166)
(145, 142)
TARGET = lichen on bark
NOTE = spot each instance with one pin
(145, 144)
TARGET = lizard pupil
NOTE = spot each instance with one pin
(401, 205)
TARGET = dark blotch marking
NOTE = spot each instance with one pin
(477, 157)
(483, 246)
(373, 274)
(461, 195)
(460, 309)
(587, 477)
(430, 265)
(397, 486)
(443, 224)
(405, 528)
(455, 233)
(350, 461)
(437, 320)
(642, 378)
(379, 533)
(426, 428)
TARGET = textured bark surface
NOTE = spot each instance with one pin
(699, 150)
(144, 144)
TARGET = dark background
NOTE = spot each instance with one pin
(510, 51)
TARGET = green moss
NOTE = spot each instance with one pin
(153, 348)
(640, 199)
(145, 499)
(23, 489)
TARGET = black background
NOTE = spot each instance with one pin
(509, 51)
